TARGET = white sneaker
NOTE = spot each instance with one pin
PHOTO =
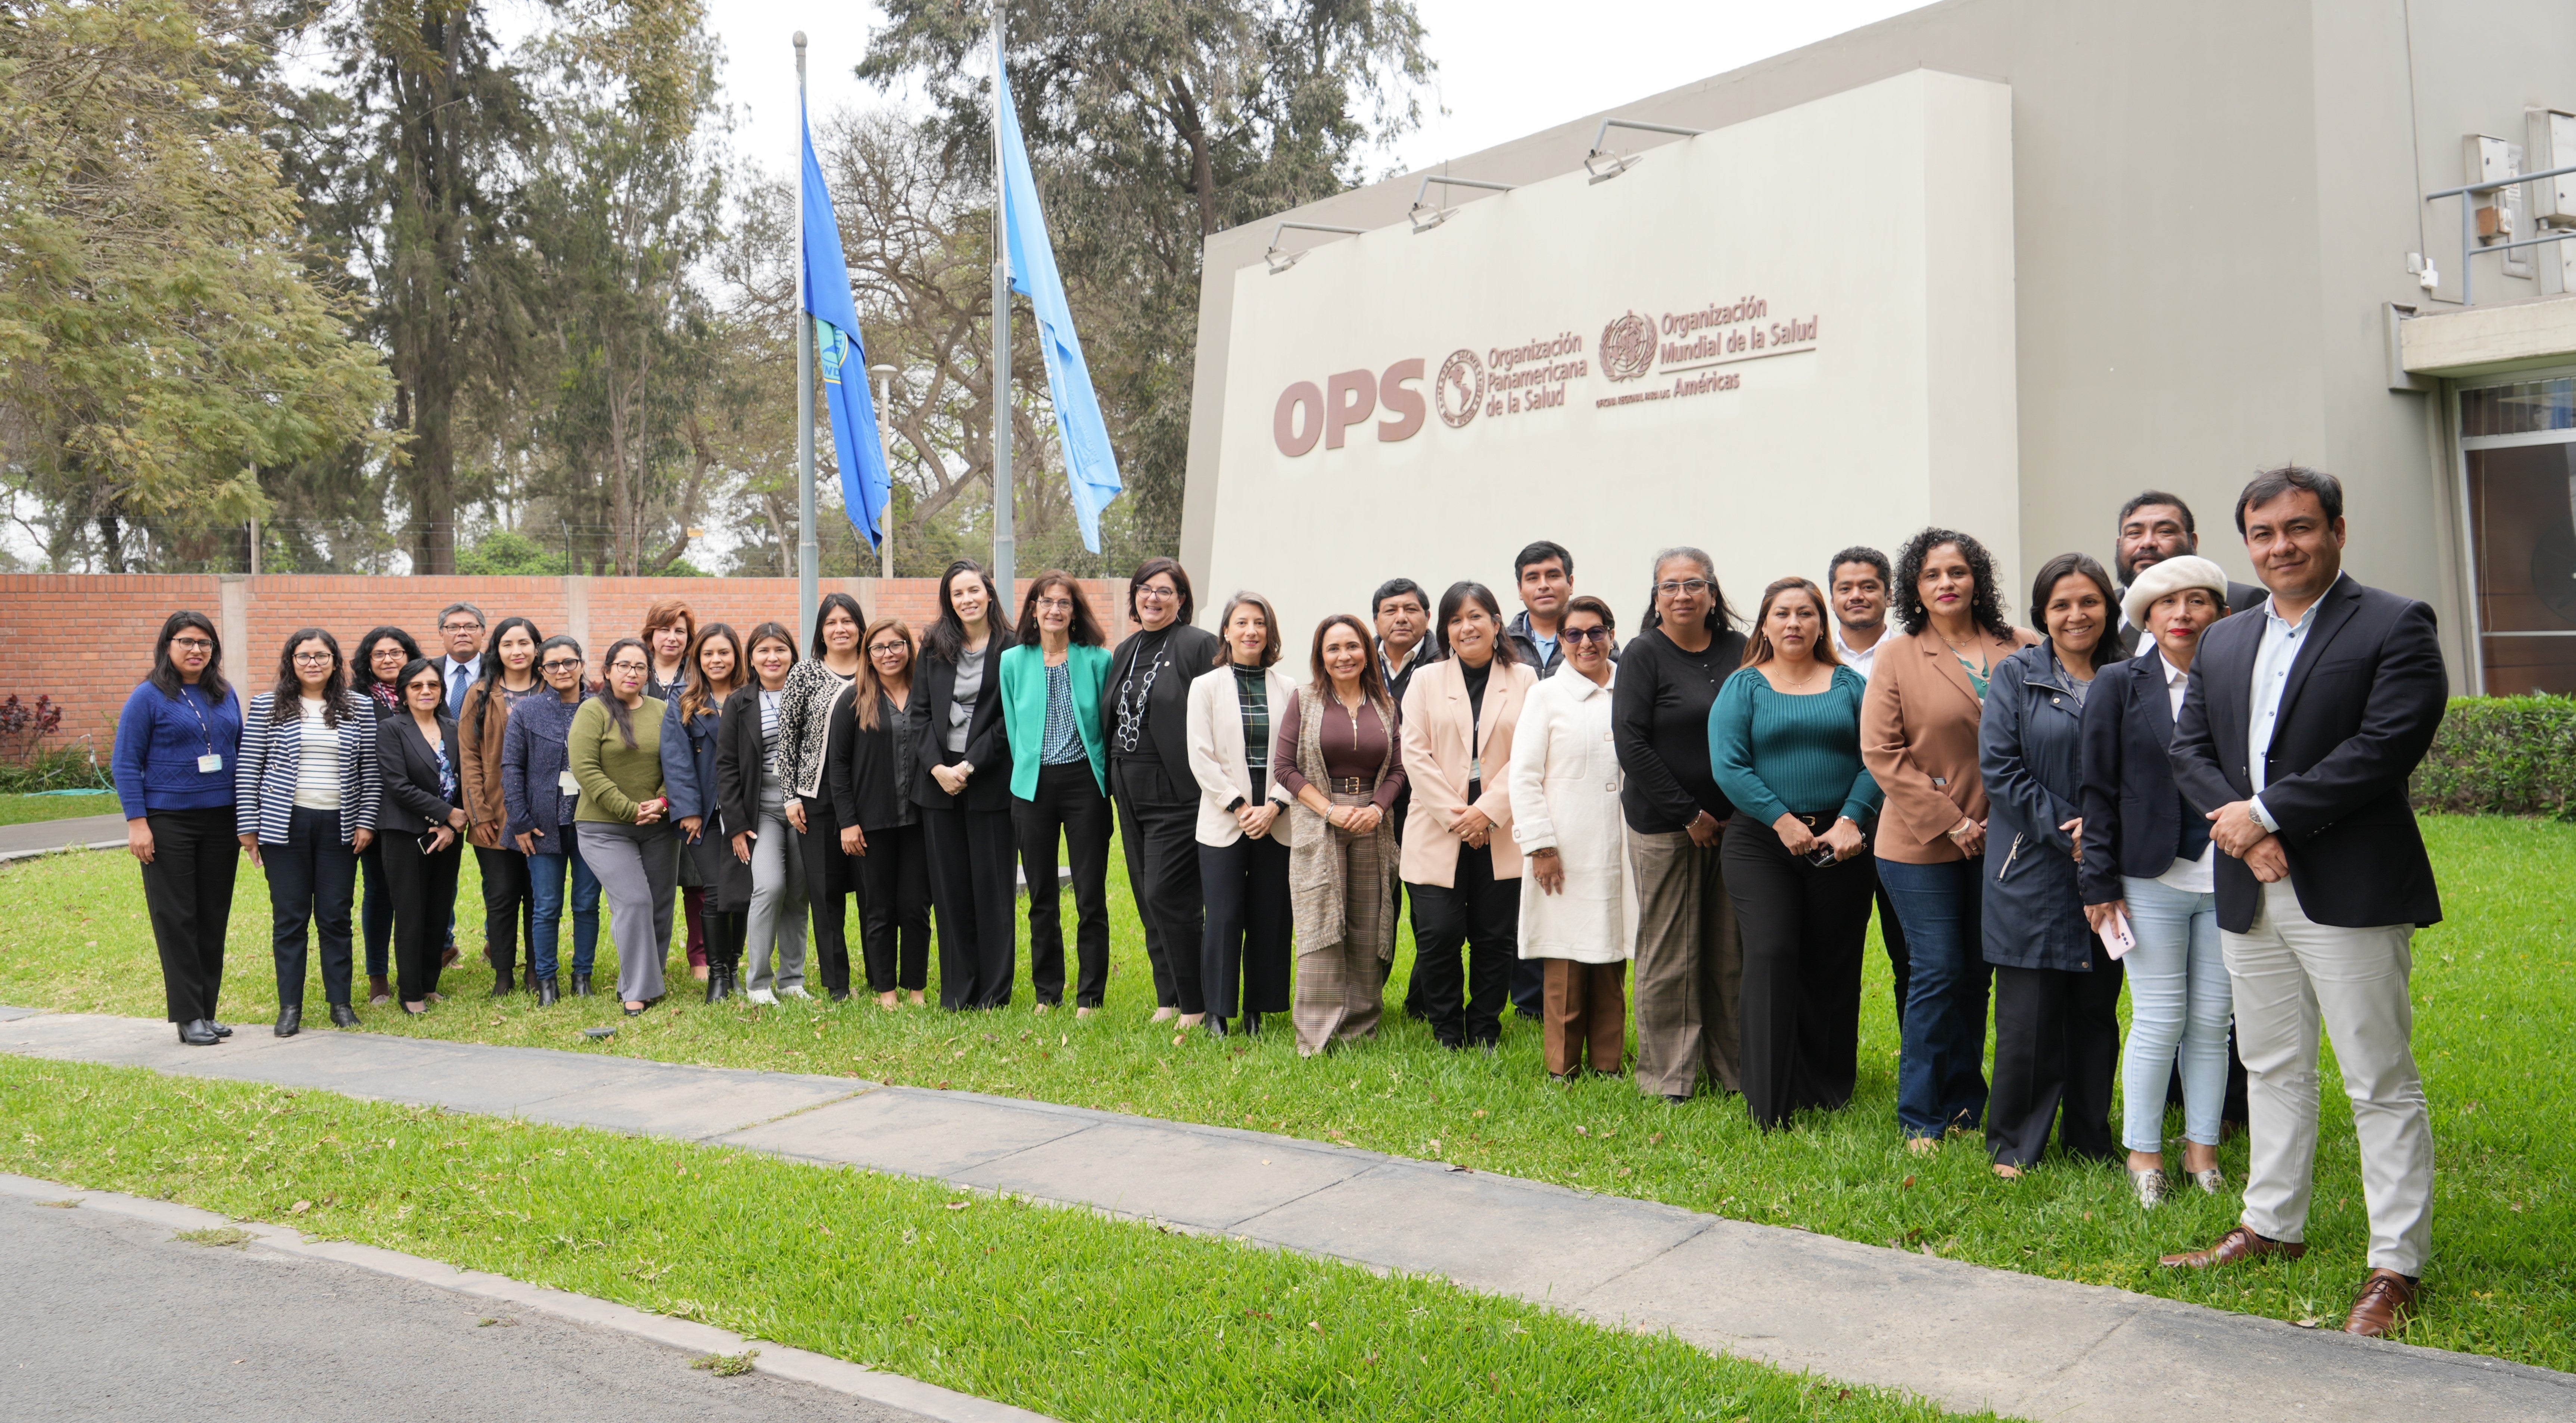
(796, 992)
(763, 997)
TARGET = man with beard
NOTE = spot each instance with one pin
(2153, 527)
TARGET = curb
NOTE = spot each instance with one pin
(795, 1365)
(36, 854)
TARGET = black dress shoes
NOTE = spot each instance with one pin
(546, 995)
(1251, 1023)
(503, 983)
(1215, 1026)
(219, 1029)
(290, 1020)
(581, 985)
(198, 1033)
(343, 1016)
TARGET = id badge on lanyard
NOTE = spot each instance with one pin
(212, 761)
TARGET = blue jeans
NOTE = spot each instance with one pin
(546, 882)
(2178, 996)
(1941, 1080)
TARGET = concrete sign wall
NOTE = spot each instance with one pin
(1771, 341)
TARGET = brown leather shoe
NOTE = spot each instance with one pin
(2237, 1244)
(2384, 1306)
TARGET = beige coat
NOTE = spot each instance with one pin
(1565, 797)
(1216, 750)
(1437, 759)
(1918, 736)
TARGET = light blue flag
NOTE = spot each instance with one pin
(826, 298)
(1089, 464)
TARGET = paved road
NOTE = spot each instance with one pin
(44, 835)
(109, 1317)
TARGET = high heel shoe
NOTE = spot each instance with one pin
(195, 1033)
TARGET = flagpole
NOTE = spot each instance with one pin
(1003, 542)
(809, 556)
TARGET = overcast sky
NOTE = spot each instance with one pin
(1507, 67)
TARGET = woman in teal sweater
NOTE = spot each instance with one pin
(1051, 687)
(1784, 744)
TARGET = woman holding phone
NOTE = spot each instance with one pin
(615, 750)
(692, 739)
(381, 656)
(423, 823)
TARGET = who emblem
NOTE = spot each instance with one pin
(1628, 347)
(1460, 391)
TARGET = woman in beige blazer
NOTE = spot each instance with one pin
(1461, 869)
(1918, 733)
(1234, 713)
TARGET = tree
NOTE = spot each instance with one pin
(161, 338)
(1153, 126)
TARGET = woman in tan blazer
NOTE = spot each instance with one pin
(1460, 865)
(1918, 732)
(509, 672)
(1234, 715)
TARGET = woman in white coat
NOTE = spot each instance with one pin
(1234, 715)
(1582, 922)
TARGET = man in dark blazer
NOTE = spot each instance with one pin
(2304, 717)
(2153, 527)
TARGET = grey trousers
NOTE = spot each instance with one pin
(2287, 972)
(1690, 967)
(777, 924)
(638, 878)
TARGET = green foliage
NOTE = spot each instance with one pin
(2502, 756)
(509, 553)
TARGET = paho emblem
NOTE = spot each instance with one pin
(1628, 347)
(1460, 390)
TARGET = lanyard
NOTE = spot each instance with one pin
(203, 730)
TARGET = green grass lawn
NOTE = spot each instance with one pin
(2495, 1001)
(1062, 1311)
(28, 809)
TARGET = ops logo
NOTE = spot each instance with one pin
(1460, 391)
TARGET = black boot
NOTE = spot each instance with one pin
(581, 985)
(546, 994)
(196, 1033)
(1215, 1026)
(716, 983)
(504, 981)
(290, 1020)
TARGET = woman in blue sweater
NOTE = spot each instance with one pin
(175, 747)
(1784, 744)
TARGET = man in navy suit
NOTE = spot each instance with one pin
(2304, 717)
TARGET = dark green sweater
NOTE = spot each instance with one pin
(1775, 754)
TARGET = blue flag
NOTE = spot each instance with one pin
(1089, 464)
(865, 486)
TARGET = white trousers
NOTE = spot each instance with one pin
(2287, 973)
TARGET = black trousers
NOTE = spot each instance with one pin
(424, 893)
(1244, 960)
(189, 889)
(828, 882)
(1068, 802)
(1483, 915)
(376, 913)
(894, 908)
(312, 879)
(1891, 932)
(971, 864)
(1803, 928)
(2057, 1046)
(1159, 822)
(507, 895)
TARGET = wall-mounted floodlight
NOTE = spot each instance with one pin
(1601, 163)
(1281, 261)
(1427, 216)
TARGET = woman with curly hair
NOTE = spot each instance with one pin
(1919, 725)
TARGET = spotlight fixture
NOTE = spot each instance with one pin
(1427, 215)
(1604, 163)
(1280, 261)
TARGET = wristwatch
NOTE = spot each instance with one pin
(1238, 803)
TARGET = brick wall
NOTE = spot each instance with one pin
(86, 639)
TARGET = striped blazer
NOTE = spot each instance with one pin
(272, 754)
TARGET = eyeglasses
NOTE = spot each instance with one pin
(1599, 635)
(460, 627)
(625, 666)
(318, 658)
(563, 664)
(1691, 586)
(192, 644)
(1055, 605)
(882, 649)
(1157, 592)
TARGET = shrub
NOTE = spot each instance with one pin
(2502, 756)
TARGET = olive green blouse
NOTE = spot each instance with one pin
(615, 778)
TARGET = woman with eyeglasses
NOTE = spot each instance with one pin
(1149, 778)
(382, 654)
(1578, 917)
(1243, 843)
(1784, 741)
(538, 794)
(509, 673)
(1340, 758)
(616, 755)
(872, 779)
(752, 797)
(964, 789)
(306, 798)
(1690, 963)
(693, 733)
(176, 744)
(670, 630)
(423, 826)
(1052, 681)
(804, 742)
(1918, 735)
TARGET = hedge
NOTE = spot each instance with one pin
(2502, 756)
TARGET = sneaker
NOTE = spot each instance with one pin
(2212, 1182)
(2150, 1186)
(794, 991)
(764, 997)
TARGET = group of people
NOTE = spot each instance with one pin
(2128, 788)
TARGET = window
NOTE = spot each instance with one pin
(2518, 448)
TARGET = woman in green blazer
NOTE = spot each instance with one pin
(1052, 682)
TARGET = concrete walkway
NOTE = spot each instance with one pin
(1959, 1334)
(43, 837)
